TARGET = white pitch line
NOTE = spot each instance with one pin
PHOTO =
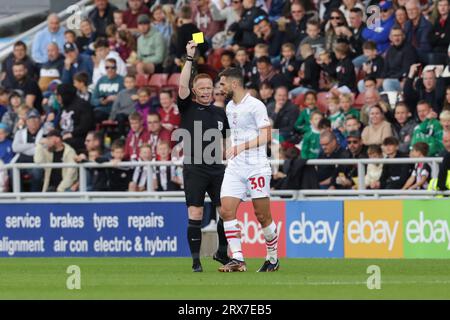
(353, 283)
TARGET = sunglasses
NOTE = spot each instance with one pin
(259, 19)
(110, 67)
(352, 141)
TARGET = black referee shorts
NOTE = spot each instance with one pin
(201, 179)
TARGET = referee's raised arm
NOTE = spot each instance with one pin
(183, 88)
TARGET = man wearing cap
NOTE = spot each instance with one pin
(52, 149)
(151, 47)
(379, 33)
(24, 145)
(75, 62)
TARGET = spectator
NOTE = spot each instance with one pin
(302, 124)
(349, 5)
(443, 182)
(373, 67)
(27, 86)
(52, 69)
(380, 35)
(103, 53)
(165, 175)
(310, 145)
(296, 28)
(146, 104)
(345, 103)
(325, 125)
(344, 71)
(269, 34)
(374, 170)
(337, 20)
(371, 98)
(19, 54)
(331, 150)
(266, 92)
(439, 36)
(136, 138)
(6, 151)
(353, 33)
(77, 118)
(130, 16)
(118, 177)
(24, 146)
(399, 57)
(124, 104)
(417, 30)
(403, 126)
(428, 88)
(230, 14)
(401, 17)
(74, 63)
(202, 18)
(444, 118)
(266, 72)
(106, 90)
(219, 98)
(244, 35)
(161, 23)
(289, 64)
(151, 47)
(141, 174)
(86, 39)
(53, 33)
(242, 62)
(429, 130)
(156, 131)
(81, 82)
(102, 16)
(308, 73)
(10, 117)
(96, 179)
(314, 38)
(52, 149)
(226, 60)
(126, 46)
(283, 113)
(393, 176)
(351, 123)
(94, 141)
(118, 24)
(378, 128)
(170, 116)
(335, 115)
(422, 171)
(357, 150)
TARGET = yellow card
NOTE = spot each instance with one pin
(198, 37)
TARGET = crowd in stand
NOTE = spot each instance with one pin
(338, 83)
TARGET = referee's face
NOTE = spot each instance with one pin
(203, 89)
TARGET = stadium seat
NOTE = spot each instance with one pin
(214, 58)
(157, 81)
(359, 101)
(298, 100)
(141, 80)
(173, 82)
(322, 102)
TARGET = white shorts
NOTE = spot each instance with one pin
(244, 184)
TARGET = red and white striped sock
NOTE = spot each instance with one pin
(271, 237)
(233, 234)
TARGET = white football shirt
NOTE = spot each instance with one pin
(246, 119)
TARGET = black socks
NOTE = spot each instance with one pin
(194, 234)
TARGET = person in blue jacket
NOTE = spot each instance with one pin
(74, 63)
(380, 33)
(417, 30)
(6, 152)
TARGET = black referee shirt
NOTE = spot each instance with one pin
(210, 117)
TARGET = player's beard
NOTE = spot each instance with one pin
(229, 95)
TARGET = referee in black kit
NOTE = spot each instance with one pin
(202, 172)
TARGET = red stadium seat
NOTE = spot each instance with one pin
(141, 80)
(213, 58)
(157, 81)
(322, 102)
(359, 101)
(298, 100)
(173, 82)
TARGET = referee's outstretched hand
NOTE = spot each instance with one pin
(190, 48)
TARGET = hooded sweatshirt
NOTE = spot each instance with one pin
(77, 117)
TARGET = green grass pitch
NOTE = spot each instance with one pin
(171, 278)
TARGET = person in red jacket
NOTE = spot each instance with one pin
(170, 116)
(156, 131)
(137, 136)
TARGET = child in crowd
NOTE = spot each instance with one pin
(10, 118)
(226, 59)
(310, 146)
(140, 174)
(403, 126)
(422, 171)
(345, 103)
(111, 35)
(81, 82)
(314, 39)
(118, 177)
(302, 125)
(118, 20)
(289, 65)
(51, 105)
(146, 103)
(243, 63)
(70, 37)
(374, 170)
(164, 175)
(335, 115)
(266, 92)
(373, 67)
(125, 45)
